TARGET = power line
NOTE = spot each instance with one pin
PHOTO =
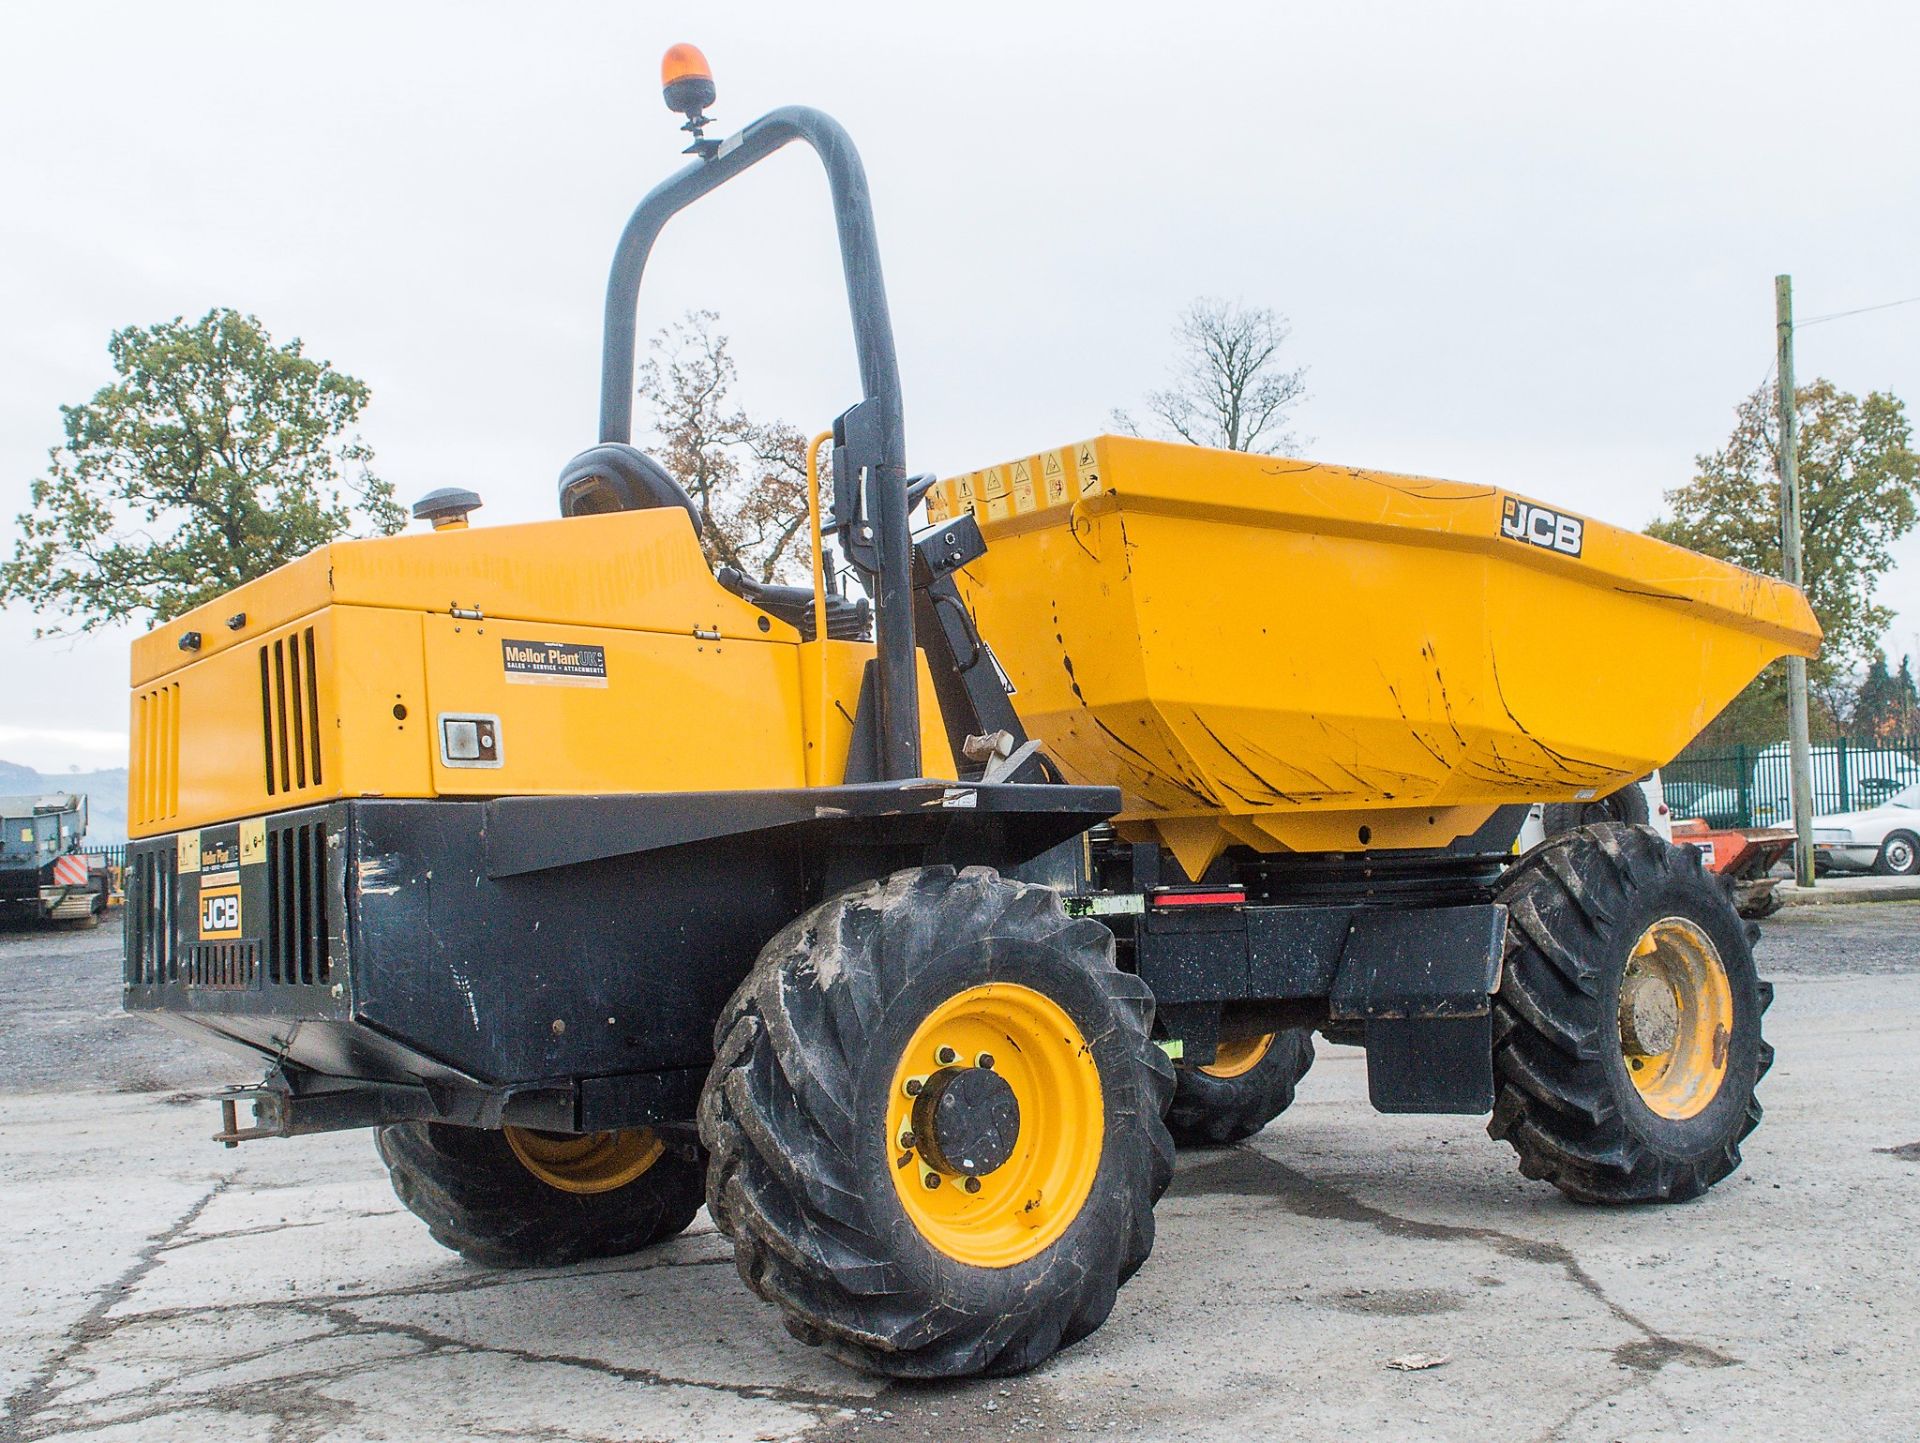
(1858, 311)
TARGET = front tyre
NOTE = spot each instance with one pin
(519, 1198)
(1627, 1040)
(1899, 855)
(1248, 1084)
(935, 1122)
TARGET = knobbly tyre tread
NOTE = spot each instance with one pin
(478, 1199)
(800, 1187)
(1562, 1098)
(1214, 1111)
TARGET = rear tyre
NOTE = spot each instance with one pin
(935, 1122)
(1899, 855)
(1245, 1087)
(524, 1199)
(1627, 1039)
(1629, 805)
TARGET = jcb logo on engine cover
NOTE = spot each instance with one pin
(220, 913)
(1537, 526)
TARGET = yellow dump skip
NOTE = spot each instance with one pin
(1292, 655)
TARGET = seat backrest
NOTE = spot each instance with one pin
(614, 477)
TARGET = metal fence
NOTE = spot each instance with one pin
(113, 856)
(1748, 786)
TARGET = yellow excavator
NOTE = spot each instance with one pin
(908, 921)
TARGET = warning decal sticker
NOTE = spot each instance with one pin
(554, 663)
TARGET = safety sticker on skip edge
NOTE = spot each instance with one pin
(554, 663)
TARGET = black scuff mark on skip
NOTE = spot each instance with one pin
(1319, 783)
(1146, 765)
(1272, 791)
(1573, 766)
(1446, 701)
(1073, 530)
(1073, 681)
(1153, 770)
(1413, 730)
(1126, 546)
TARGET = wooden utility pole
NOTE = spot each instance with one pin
(1800, 753)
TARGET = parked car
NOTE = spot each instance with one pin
(1716, 806)
(1883, 839)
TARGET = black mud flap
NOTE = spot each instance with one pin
(1421, 984)
(1431, 1064)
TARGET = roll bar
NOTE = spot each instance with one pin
(870, 440)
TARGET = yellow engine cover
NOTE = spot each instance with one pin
(1291, 655)
(596, 654)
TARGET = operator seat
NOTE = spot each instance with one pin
(615, 477)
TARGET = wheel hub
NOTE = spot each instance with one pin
(994, 1124)
(586, 1163)
(1649, 1016)
(967, 1121)
(1239, 1057)
(1675, 1018)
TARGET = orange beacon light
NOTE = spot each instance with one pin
(686, 80)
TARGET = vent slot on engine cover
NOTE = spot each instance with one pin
(154, 788)
(290, 712)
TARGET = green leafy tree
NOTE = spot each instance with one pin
(214, 457)
(1858, 481)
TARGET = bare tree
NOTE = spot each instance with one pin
(747, 479)
(1229, 388)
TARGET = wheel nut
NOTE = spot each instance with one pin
(945, 1056)
(914, 1084)
(932, 1180)
(985, 1060)
(972, 1184)
(907, 1140)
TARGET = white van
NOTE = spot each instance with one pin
(1873, 774)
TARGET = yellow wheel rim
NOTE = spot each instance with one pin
(585, 1163)
(1676, 1018)
(1007, 1214)
(1238, 1058)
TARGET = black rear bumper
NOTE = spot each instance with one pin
(558, 962)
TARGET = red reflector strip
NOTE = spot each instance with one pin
(1198, 899)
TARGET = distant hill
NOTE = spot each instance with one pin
(106, 796)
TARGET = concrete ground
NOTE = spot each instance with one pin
(157, 1287)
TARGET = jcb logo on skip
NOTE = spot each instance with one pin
(1537, 526)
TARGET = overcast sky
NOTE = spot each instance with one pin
(1526, 244)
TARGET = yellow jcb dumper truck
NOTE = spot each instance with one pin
(909, 931)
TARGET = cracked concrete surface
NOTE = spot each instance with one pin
(157, 1287)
